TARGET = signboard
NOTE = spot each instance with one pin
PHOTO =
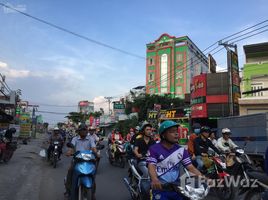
(152, 115)
(199, 86)
(119, 106)
(199, 111)
(235, 81)
(25, 125)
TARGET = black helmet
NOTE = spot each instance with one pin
(205, 129)
(196, 125)
(82, 127)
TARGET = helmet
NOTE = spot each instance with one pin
(166, 125)
(82, 127)
(226, 131)
(144, 125)
(92, 128)
(56, 128)
(137, 128)
(205, 129)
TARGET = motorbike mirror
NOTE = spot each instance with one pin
(70, 145)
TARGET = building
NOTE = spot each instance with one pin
(171, 63)
(85, 107)
(135, 92)
(255, 80)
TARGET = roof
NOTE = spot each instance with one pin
(256, 48)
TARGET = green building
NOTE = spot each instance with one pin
(255, 80)
(170, 65)
(255, 72)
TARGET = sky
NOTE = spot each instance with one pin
(53, 67)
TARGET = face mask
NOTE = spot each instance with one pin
(197, 130)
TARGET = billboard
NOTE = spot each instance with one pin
(199, 86)
(199, 111)
(211, 64)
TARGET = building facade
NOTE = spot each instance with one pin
(85, 107)
(171, 63)
(255, 80)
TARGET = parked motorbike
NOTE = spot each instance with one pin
(257, 180)
(54, 154)
(83, 180)
(119, 154)
(7, 149)
(218, 172)
(138, 186)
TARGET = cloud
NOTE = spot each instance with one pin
(101, 102)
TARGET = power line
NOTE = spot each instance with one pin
(250, 36)
(48, 112)
(74, 33)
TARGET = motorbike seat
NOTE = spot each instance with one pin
(259, 175)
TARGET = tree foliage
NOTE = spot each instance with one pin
(77, 117)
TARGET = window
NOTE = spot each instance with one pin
(164, 71)
(257, 86)
(179, 75)
(180, 43)
(151, 61)
(179, 90)
(179, 57)
(151, 77)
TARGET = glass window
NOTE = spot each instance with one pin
(164, 73)
(179, 57)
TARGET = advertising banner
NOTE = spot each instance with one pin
(199, 111)
(199, 86)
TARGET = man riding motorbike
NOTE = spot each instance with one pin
(225, 143)
(163, 163)
(81, 142)
(92, 134)
(141, 147)
(55, 136)
(130, 134)
(201, 146)
(196, 131)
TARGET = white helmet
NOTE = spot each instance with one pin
(56, 128)
(226, 131)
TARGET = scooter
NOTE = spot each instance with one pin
(138, 186)
(119, 154)
(7, 149)
(83, 180)
(54, 155)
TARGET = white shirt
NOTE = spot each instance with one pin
(222, 147)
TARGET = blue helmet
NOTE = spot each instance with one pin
(166, 125)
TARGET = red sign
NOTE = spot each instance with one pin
(91, 120)
(199, 86)
(199, 111)
(83, 103)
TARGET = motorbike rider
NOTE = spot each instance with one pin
(201, 146)
(92, 134)
(163, 162)
(55, 136)
(9, 134)
(116, 136)
(130, 134)
(141, 147)
(81, 142)
(196, 131)
(225, 143)
(136, 135)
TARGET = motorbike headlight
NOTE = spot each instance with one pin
(56, 147)
(87, 157)
(240, 151)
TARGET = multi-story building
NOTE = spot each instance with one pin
(171, 63)
(86, 107)
(255, 79)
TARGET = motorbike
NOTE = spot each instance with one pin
(255, 179)
(99, 147)
(54, 154)
(218, 172)
(83, 180)
(138, 186)
(7, 149)
(119, 154)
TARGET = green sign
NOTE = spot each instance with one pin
(119, 106)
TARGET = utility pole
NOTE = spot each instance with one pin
(109, 102)
(230, 73)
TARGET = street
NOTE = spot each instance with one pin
(29, 177)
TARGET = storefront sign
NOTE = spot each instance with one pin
(199, 111)
(198, 86)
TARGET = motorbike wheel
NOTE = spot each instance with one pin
(225, 192)
(122, 162)
(55, 158)
(85, 193)
(7, 156)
